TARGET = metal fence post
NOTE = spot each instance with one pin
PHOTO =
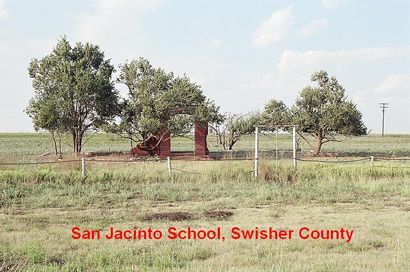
(256, 150)
(83, 168)
(276, 150)
(294, 147)
(170, 168)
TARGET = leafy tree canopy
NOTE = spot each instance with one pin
(322, 111)
(160, 102)
(74, 92)
(276, 113)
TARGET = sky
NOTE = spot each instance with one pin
(242, 53)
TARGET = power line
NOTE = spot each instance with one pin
(383, 106)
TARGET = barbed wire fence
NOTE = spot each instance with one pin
(255, 172)
(256, 158)
(84, 163)
(296, 159)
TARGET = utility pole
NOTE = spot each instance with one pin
(383, 106)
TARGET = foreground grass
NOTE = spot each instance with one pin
(40, 205)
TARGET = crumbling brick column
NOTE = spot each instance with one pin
(164, 147)
(201, 133)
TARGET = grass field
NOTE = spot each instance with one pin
(29, 146)
(40, 204)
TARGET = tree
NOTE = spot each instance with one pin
(233, 128)
(75, 84)
(46, 117)
(276, 113)
(323, 111)
(159, 103)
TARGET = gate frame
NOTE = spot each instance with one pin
(294, 145)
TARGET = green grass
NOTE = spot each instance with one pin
(29, 146)
(40, 204)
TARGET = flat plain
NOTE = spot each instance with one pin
(40, 204)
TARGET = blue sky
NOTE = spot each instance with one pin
(242, 53)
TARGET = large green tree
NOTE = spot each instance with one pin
(322, 111)
(159, 103)
(74, 92)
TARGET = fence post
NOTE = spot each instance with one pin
(256, 150)
(371, 162)
(170, 168)
(83, 168)
(294, 147)
(276, 150)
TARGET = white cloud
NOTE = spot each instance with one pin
(275, 29)
(332, 4)
(213, 43)
(115, 25)
(313, 27)
(369, 75)
(359, 69)
(315, 59)
(394, 85)
(4, 15)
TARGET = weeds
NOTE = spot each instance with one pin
(39, 205)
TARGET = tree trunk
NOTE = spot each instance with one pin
(230, 145)
(219, 138)
(222, 140)
(55, 143)
(318, 145)
(74, 134)
(59, 147)
(77, 142)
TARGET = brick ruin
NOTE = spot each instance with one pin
(161, 146)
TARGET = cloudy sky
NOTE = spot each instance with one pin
(242, 53)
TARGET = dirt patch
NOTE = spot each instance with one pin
(107, 153)
(135, 195)
(218, 214)
(17, 265)
(56, 261)
(170, 216)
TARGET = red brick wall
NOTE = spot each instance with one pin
(201, 133)
(164, 148)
